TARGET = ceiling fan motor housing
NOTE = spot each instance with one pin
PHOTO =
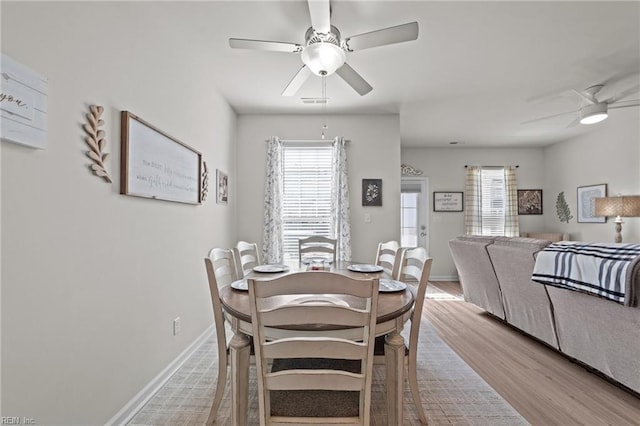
(322, 53)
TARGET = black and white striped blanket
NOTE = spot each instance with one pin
(598, 268)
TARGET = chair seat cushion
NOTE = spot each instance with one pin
(315, 403)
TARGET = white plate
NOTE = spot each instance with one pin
(310, 260)
(240, 285)
(388, 286)
(270, 268)
(365, 268)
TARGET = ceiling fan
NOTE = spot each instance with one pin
(594, 110)
(325, 52)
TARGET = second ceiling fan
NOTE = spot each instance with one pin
(325, 52)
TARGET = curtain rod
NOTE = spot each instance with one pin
(308, 140)
(516, 166)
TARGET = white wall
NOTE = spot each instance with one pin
(609, 154)
(446, 172)
(374, 152)
(91, 279)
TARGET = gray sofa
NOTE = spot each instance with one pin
(495, 274)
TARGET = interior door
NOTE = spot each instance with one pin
(414, 215)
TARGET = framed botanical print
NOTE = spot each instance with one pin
(372, 192)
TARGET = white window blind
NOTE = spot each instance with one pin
(493, 201)
(306, 204)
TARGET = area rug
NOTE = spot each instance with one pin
(451, 392)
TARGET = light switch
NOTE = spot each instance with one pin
(367, 218)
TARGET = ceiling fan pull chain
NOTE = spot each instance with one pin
(324, 105)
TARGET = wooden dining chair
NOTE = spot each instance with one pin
(221, 271)
(389, 256)
(414, 270)
(247, 257)
(318, 246)
(311, 384)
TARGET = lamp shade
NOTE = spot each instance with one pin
(621, 205)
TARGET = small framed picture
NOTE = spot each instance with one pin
(222, 186)
(447, 201)
(372, 192)
(586, 203)
(529, 201)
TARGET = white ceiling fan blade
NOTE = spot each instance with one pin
(320, 15)
(297, 81)
(623, 94)
(353, 79)
(273, 46)
(391, 35)
(589, 98)
(625, 104)
(548, 117)
(574, 123)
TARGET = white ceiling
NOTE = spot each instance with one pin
(477, 71)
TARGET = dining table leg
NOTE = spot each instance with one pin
(394, 359)
(240, 352)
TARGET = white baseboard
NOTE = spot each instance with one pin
(141, 398)
(443, 278)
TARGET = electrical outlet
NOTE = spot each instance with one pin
(176, 326)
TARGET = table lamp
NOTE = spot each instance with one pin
(619, 206)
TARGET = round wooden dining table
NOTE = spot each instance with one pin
(393, 311)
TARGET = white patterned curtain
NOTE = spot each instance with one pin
(272, 236)
(340, 222)
(511, 225)
(473, 201)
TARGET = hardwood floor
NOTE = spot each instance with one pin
(543, 386)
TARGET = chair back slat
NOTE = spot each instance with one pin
(315, 313)
(315, 380)
(321, 348)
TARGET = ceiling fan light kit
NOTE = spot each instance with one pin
(323, 54)
(595, 113)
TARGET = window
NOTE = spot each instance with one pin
(306, 203)
(409, 219)
(493, 201)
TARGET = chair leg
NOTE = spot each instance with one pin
(413, 383)
(222, 381)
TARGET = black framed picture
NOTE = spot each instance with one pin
(529, 201)
(372, 192)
